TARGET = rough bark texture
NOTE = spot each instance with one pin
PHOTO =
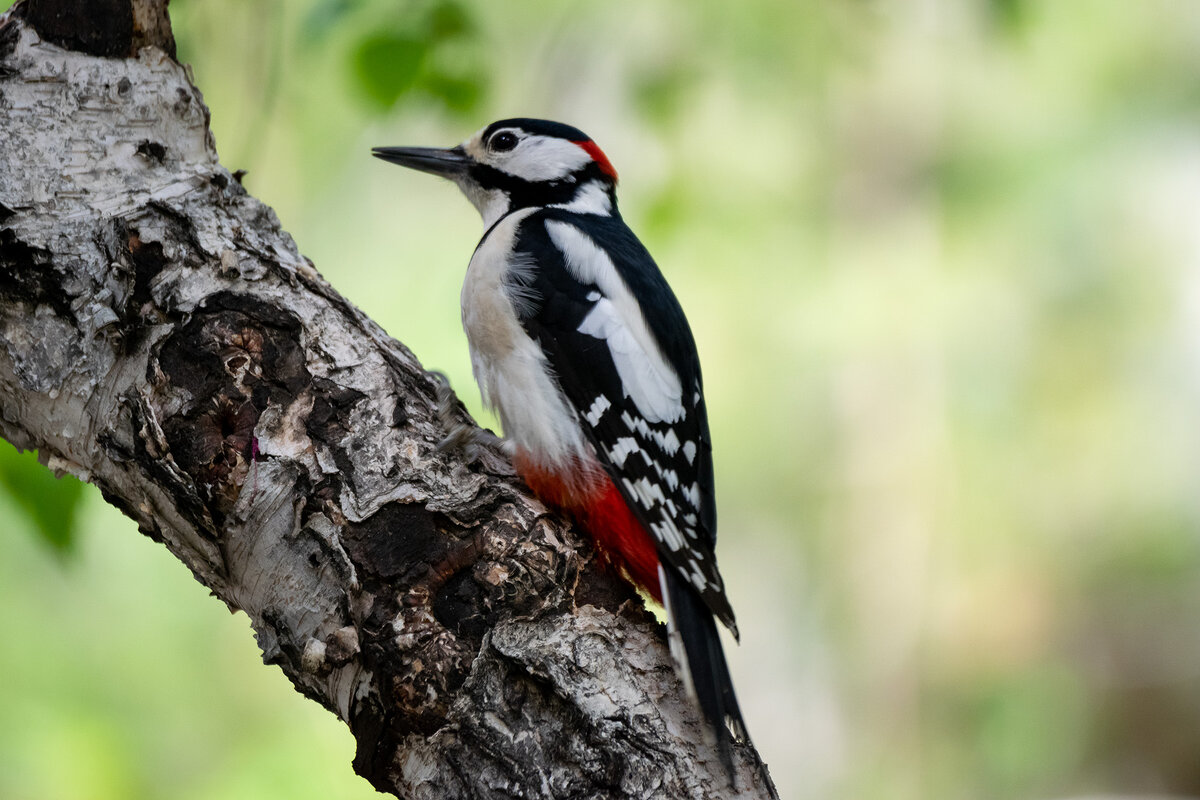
(162, 338)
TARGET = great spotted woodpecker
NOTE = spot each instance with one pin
(580, 346)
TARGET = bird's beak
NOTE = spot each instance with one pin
(448, 163)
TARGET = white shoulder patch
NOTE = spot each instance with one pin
(646, 376)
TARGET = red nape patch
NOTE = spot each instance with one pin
(596, 505)
(593, 150)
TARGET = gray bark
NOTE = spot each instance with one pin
(162, 338)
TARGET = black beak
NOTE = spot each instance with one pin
(447, 163)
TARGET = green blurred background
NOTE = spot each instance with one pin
(943, 263)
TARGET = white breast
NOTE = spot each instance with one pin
(511, 370)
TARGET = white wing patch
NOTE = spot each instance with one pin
(643, 380)
(645, 375)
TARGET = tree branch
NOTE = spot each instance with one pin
(162, 338)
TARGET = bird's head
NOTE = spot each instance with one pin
(517, 163)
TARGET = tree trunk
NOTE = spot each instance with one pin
(162, 338)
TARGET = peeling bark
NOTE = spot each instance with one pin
(162, 338)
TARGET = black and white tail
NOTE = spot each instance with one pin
(696, 647)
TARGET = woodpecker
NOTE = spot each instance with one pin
(580, 346)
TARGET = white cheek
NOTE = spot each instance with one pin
(542, 158)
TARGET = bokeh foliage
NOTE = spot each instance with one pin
(49, 504)
(943, 264)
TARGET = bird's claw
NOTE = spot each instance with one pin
(446, 399)
(469, 440)
(463, 437)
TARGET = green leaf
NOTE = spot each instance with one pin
(448, 20)
(459, 94)
(387, 64)
(50, 503)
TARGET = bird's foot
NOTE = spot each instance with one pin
(464, 437)
(469, 440)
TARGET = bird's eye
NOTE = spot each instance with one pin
(502, 142)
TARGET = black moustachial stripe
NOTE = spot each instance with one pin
(525, 194)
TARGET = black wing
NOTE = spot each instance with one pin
(662, 468)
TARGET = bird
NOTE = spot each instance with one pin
(583, 351)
